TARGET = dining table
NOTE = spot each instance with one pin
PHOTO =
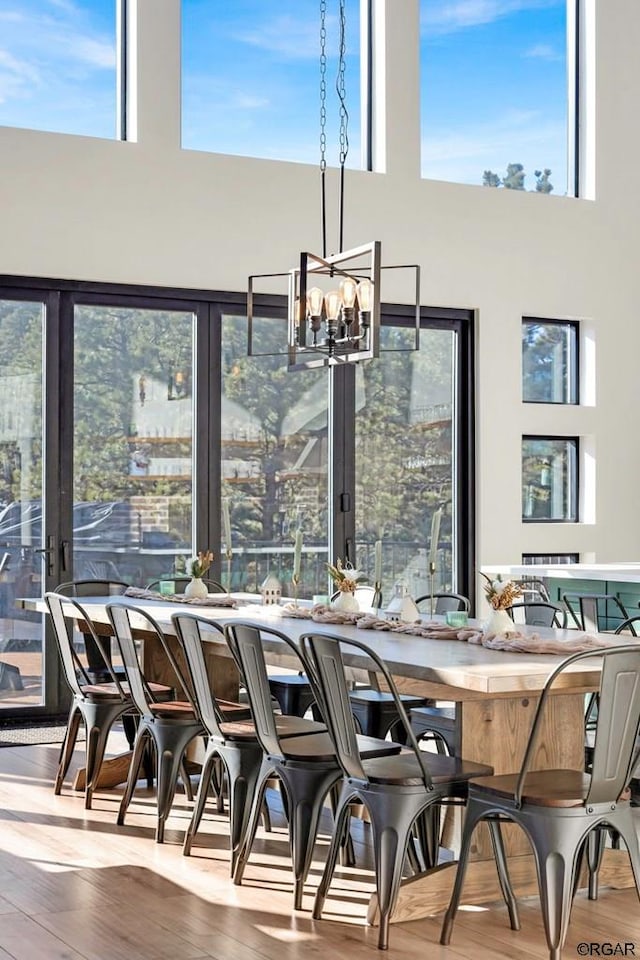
(495, 693)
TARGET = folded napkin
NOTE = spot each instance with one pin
(213, 600)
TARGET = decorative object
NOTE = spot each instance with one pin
(377, 575)
(197, 568)
(196, 588)
(297, 563)
(433, 552)
(457, 618)
(345, 579)
(271, 590)
(500, 594)
(402, 606)
(226, 527)
(334, 300)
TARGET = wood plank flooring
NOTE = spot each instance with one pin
(75, 886)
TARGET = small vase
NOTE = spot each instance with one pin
(346, 602)
(196, 589)
(499, 622)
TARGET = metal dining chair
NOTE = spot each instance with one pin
(306, 766)
(233, 741)
(396, 790)
(565, 812)
(98, 706)
(593, 612)
(538, 613)
(444, 603)
(168, 727)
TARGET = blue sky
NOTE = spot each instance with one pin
(493, 79)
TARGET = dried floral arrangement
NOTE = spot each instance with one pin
(501, 593)
(345, 577)
(200, 564)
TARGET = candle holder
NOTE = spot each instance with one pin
(295, 580)
(377, 595)
(229, 555)
(432, 573)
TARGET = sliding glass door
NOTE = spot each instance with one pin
(21, 501)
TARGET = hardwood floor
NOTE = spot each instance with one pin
(75, 886)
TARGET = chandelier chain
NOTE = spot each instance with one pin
(323, 84)
(341, 88)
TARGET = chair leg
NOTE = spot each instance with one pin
(503, 872)
(625, 826)
(556, 845)
(186, 780)
(170, 744)
(68, 746)
(307, 789)
(473, 816)
(595, 844)
(201, 799)
(341, 819)
(266, 771)
(143, 742)
(96, 745)
(243, 767)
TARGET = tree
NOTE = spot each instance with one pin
(514, 179)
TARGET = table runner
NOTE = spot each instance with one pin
(513, 641)
(213, 600)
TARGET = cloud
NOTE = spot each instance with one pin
(444, 16)
(290, 37)
(543, 51)
(97, 53)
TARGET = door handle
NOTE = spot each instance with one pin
(49, 551)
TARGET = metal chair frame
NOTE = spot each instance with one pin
(169, 732)
(562, 826)
(396, 790)
(445, 602)
(585, 609)
(97, 705)
(539, 613)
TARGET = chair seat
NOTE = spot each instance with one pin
(287, 726)
(293, 693)
(376, 711)
(318, 748)
(234, 712)
(405, 770)
(543, 788)
(368, 695)
(176, 709)
(109, 691)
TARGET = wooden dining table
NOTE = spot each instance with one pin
(496, 694)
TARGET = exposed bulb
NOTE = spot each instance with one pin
(332, 304)
(315, 298)
(348, 290)
(365, 295)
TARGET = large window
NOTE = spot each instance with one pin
(58, 66)
(251, 78)
(549, 361)
(550, 478)
(405, 460)
(494, 93)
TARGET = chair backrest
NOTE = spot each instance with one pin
(533, 590)
(66, 613)
(121, 617)
(538, 614)
(246, 644)
(631, 625)
(92, 588)
(616, 728)
(443, 603)
(179, 584)
(593, 611)
(192, 631)
(326, 670)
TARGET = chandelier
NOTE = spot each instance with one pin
(333, 313)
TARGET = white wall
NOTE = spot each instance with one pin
(148, 212)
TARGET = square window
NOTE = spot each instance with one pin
(549, 361)
(550, 479)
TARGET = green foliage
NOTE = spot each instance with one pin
(514, 179)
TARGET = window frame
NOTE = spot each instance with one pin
(573, 367)
(574, 489)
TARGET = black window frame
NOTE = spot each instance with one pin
(574, 492)
(573, 365)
